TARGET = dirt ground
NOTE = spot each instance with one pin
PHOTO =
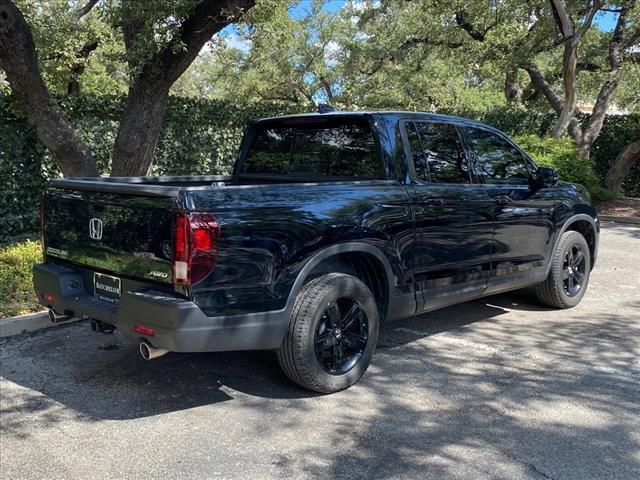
(620, 207)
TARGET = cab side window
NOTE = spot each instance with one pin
(498, 161)
(438, 153)
(417, 154)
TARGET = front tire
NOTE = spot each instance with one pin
(569, 275)
(332, 333)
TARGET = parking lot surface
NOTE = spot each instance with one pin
(495, 388)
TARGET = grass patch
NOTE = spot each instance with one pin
(16, 286)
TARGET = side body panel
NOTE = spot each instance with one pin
(453, 242)
(523, 237)
(452, 256)
(573, 204)
(268, 234)
(523, 228)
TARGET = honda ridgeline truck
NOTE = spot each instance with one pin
(330, 224)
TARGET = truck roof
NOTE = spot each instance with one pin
(393, 114)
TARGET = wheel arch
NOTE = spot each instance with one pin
(587, 226)
(363, 260)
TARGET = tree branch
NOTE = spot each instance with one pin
(622, 166)
(541, 85)
(152, 78)
(73, 86)
(82, 11)
(564, 22)
(571, 40)
(463, 22)
(327, 88)
(586, 25)
(402, 49)
(617, 49)
(207, 19)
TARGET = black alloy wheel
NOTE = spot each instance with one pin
(574, 270)
(569, 271)
(341, 336)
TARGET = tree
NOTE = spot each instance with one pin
(622, 166)
(626, 32)
(161, 39)
(572, 25)
(79, 49)
(355, 57)
(400, 54)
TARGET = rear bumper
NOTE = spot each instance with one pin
(179, 324)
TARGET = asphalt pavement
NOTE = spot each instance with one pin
(495, 388)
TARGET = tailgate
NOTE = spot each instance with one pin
(127, 235)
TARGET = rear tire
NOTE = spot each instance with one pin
(332, 333)
(568, 278)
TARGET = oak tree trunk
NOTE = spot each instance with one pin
(512, 89)
(148, 94)
(621, 166)
(139, 130)
(18, 59)
(570, 64)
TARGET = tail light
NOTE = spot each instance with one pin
(195, 246)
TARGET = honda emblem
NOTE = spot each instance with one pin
(95, 228)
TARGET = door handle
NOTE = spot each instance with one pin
(501, 200)
(434, 201)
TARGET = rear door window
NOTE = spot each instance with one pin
(498, 161)
(437, 152)
(336, 148)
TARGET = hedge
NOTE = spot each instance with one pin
(202, 136)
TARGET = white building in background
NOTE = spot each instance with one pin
(587, 107)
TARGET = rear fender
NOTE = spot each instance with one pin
(342, 248)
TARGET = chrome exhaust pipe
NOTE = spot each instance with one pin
(149, 352)
(56, 318)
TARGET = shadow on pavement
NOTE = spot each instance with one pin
(468, 403)
(103, 376)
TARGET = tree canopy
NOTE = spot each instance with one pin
(453, 56)
(420, 54)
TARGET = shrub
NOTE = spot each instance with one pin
(16, 290)
(562, 154)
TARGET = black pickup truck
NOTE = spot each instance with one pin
(330, 224)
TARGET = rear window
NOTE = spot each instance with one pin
(326, 149)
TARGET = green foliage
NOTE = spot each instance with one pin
(420, 55)
(562, 154)
(16, 290)
(22, 174)
(62, 41)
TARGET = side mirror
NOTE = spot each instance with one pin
(546, 177)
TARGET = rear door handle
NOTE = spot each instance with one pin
(501, 200)
(434, 201)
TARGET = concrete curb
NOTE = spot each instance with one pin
(611, 218)
(27, 323)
